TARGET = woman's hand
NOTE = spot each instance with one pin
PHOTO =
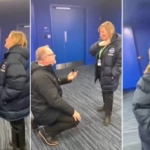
(104, 43)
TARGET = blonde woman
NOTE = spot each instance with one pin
(107, 52)
(141, 108)
(14, 86)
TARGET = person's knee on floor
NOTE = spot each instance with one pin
(51, 139)
(74, 123)
(63, 122)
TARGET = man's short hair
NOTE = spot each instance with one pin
(41, 52)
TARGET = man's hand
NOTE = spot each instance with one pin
(72, 75)
(76, 116)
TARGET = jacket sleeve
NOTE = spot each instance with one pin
(50, 93)
(15, 81)
(64, 80)
(143, 118)
(116, 70)
(94, 49)
(141, 106)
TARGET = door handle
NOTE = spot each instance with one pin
(140, 57)
(65, 36)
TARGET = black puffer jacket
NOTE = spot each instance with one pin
(111, 63)
(14, 84)
(46, 95)
(141, 109)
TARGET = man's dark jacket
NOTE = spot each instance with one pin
(46, 95)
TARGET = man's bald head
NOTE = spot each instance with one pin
(43, 51)
(45, 56)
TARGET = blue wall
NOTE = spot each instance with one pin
(142, 40)
(136, 40)
(96, 14)
(133, 47)
(111, 11)
(136, 43)
(131, 70)
(8, 24)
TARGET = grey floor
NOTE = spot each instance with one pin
(131, 139)
(90, 134)
(5, 134)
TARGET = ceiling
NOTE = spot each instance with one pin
(14, 7)
(133, 10)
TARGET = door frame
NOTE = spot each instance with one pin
(23, 24)
(137, 52)
(85, 21)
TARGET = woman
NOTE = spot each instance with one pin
(107, 52)
(14, 86)
(141, 108)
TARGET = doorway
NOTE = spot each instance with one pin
(68, 36)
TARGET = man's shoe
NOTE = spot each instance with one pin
(107, 121)
(99, 109)
(47, 138)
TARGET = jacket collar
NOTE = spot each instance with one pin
(10, 50)
(12, 47)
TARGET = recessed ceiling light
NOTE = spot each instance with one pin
(68, 8)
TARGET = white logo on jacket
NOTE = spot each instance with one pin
(111, 52)
(3, 68)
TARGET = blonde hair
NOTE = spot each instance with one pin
(18, 38)
(109, 28)
(147, 69)
(41, 52)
